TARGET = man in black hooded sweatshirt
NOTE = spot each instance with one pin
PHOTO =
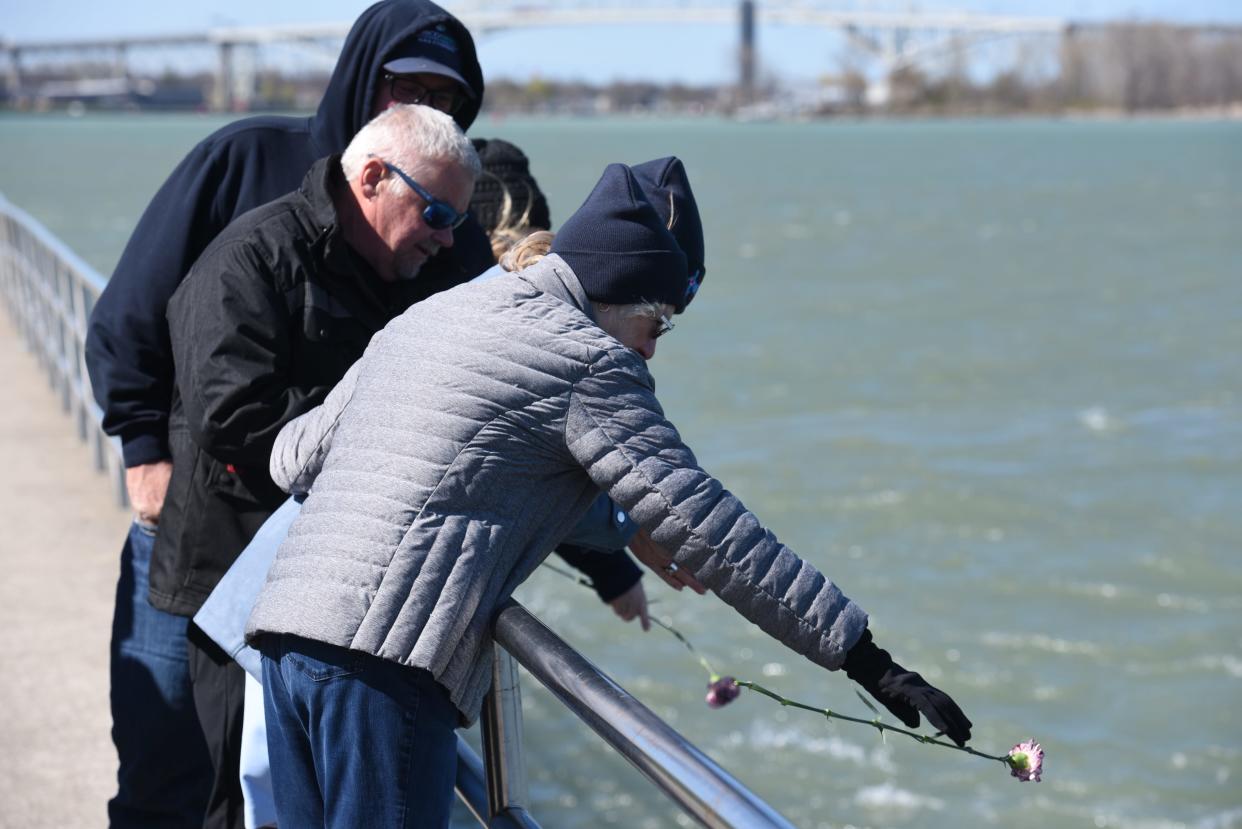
(398, 50)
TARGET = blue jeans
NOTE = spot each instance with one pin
(355, 740)
(165, 773)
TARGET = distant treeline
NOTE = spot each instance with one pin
(1150, 67)
(1128, 67)
(1124, 67)
(1116, 67)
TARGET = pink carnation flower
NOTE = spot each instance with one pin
(1026, 761)
(721, 691)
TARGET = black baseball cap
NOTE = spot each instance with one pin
(433, 51)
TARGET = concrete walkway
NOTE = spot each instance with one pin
(60, 540)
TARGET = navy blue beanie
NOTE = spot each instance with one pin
(618, 246)
(666, 186)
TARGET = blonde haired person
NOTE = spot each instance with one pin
(527, 251)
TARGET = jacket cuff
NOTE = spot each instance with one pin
(611, 573)
(604, 527)
(143, 449)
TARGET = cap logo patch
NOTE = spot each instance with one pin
(437, 39)
(692, 287)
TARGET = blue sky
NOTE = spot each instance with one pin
(701, 54)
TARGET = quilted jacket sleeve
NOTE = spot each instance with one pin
(302, 445)
(617, 431)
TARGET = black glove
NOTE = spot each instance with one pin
(903, 692)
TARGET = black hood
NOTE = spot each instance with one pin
(376, 38)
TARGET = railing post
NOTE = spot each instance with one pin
(65, 342)
(504, 759)
(117, 465)
(82, 381)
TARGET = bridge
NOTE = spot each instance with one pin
(894, 39)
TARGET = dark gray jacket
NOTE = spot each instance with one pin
(475, 431)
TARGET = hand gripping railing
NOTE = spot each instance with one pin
(50, 292)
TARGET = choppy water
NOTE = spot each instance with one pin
(985, 375)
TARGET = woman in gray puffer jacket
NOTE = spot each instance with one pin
(472, 435)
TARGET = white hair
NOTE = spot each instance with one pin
(412, 137)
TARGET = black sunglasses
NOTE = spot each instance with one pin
(439, 215)
(405, 90)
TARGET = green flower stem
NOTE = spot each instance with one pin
(881, 727)
(790, 703)
(711, 672)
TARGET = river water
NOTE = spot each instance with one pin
(985, 375)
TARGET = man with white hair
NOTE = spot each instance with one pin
(270, 317)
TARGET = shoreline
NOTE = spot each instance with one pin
(758, 113)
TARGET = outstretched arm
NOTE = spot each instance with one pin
(618, 432)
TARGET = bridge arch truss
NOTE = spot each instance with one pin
(897, 39)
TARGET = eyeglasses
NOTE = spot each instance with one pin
(666, 325)
(405, 90)
(439, 215)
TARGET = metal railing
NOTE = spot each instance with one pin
(50, 292)
(694, 781)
